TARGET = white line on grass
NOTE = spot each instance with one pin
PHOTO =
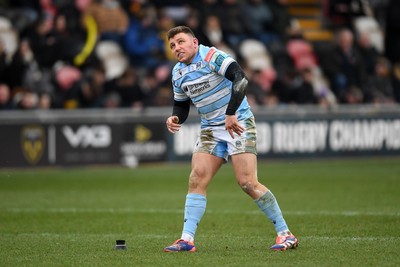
(155, 236)
(180, 211)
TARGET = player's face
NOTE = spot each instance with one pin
(184, 47)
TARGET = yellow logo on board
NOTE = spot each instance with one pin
(33, 143)
(142, 134)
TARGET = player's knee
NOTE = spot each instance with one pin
(194, 180)
(247, 186)
(193, 184)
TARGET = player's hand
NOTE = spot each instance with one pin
(172, 124)
(232, 125)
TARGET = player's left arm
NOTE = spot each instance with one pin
(236, 75)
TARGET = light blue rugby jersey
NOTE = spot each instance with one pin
(204, 83)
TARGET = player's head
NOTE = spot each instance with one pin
(183, 43)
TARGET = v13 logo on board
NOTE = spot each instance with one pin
(84, 136)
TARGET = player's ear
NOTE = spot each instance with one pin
(195, 41)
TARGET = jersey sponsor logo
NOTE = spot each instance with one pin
(198, 88)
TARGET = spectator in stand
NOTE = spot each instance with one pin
(22, 62)
(127, 89)
(156, 86)
(112, 20)
(65, 77)
(45, 101)
(292, 88)
(143, 43)
(282, 20)
(89, 92)
(259, 20)
(5, 97)
(164, 24)
(314, 76)
(214, 34)
(26, 100)
(231, 15)
(66, 46)
(73, 12)
(26, 76)
(260, 91)
(379, 87)
(344, 66)
(38, 80)
(42, 42)
(353, 96)
(112, 100)
(193, 22)
(69, 37)
(368, 52)
(304, 59)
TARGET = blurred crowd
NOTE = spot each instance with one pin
(69, 54)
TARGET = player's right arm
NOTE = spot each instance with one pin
(179, 115)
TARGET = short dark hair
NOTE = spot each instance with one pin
(178, 29)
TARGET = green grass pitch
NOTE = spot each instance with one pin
(344, 213)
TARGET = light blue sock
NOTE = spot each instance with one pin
(268, 204)
(195, 207)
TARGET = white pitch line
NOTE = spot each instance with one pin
(73, 235)
(180, 211)
(155, 236)
(349, 238)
